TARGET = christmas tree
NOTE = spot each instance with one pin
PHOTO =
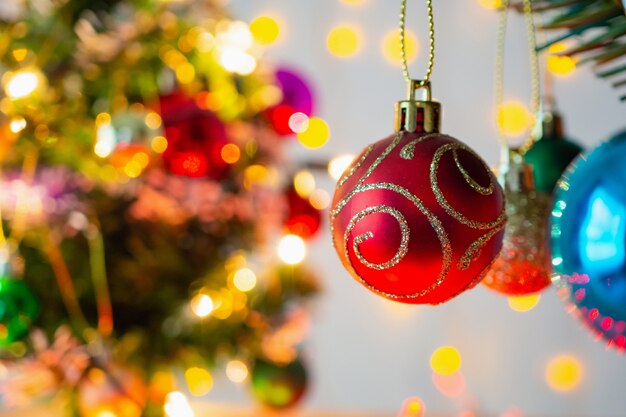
(141, 199)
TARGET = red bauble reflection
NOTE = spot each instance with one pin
(418, 218)
(195, 138)
(302, 219)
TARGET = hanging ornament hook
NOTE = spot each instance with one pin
(422, 116)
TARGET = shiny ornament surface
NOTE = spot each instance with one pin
(589, 240)
(551, 155)
(18, 309)
(279, 386)
(418, 218)
(523, 265)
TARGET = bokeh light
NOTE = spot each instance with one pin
(304, 183)
(159, 144)
(557, 64)
(316, 135)
(343, 41)
(450, 385)
(446, 360)
(21, 84)
(392, 50)
(237, 371)
(244, 279)
(291, 249)
(564, 373)
(199, 381)
(339, 164)
(177, 405)
(524, 303)
(237, 61)
(153, 120)
(513, 118)
(298, 122)
(320, 199)
(265, 30)
(231, 153)
(17, 124)
(490, 4)
(412, 407)
(354, 2)
(201, 305)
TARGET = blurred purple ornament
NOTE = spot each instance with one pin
(296, 91)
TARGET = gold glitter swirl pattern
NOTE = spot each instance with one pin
(472, 183)
(356, 166)
(441, 199)
(408, 151)
(404, 242)
(446, 247)
(474, 249)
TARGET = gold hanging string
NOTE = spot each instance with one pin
(431, 50)
(535, 100)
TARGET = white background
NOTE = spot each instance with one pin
(369, 354)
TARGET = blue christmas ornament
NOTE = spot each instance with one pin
(589, 239)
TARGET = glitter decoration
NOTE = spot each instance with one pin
(523, 264)
(417, 218)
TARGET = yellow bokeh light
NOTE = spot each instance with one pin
(159, 144)
(21, 84)
(265, 30)
(304, 183)
(316, 135)
(564, 373)
(491, 4)
(231, 153)
(524, 303)
(513, 118)
(201, 305)
(199, 381)
(392, 50)
(20, 54)
(177, 405)
(412, 407)
(354, 2)
(133, 169)
(291, 249)
(557, 64)
(446, 360)
(237, 371)
(17, 124)
(343, 41)
(153, 120)
(320, 199)
(338, 165)
(244, 279)
(185, 73)
(103, 119)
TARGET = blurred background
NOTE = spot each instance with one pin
(481, 354)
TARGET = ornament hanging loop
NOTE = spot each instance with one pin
(421, 116)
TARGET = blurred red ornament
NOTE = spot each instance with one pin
(195, 138)
(302, 219)
(279, 116)
(418, 218)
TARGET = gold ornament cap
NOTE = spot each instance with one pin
(422, 116)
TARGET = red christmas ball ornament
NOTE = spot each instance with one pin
(195, 138)
(418, 217)
(302, 219)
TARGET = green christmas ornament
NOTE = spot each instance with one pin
(551, 154)
(18, 309)
(279, 386)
